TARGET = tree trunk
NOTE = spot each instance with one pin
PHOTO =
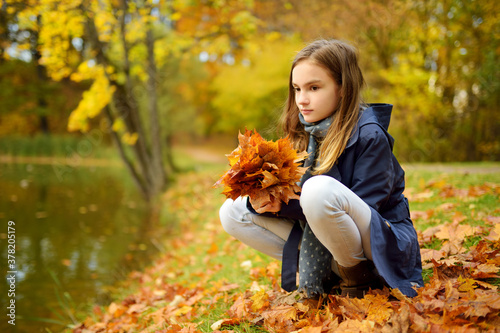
(156, 141)
(169, 156)
(128, 164)
(142, 167)
(130, 105)
(42, 79)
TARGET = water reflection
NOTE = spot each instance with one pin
(75, 235)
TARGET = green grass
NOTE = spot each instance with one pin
(427, 274)
(92, 145)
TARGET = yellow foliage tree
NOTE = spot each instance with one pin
(117, 46)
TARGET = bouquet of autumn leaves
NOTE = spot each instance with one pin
(266, 171)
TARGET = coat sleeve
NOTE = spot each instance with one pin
(373, 170)
(291, 211)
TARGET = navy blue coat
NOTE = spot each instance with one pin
(369, 168)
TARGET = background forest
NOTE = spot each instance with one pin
(147, 74)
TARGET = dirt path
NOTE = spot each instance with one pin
(73, 161)
(205, 155)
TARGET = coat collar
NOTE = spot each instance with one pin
(374, 113)
(378, 113)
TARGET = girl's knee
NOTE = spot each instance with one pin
(321, 195)
(232, 216)
(226, 215)
(315, 190)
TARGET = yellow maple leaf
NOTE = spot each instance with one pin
(260, 300)
(182, 311)
(380, 309)
(129, 138)
(466, 285)
(116, 310)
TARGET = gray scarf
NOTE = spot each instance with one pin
(315, 261)
(317, 131)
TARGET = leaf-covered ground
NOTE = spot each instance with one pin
(206, 281)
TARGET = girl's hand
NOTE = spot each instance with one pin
(250, 201)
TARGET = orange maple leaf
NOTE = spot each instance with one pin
(266, 171)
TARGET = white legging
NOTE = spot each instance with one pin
(337, 216)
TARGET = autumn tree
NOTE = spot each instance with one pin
(30, 96)
(121, 48)
(459, 47)
(441, 78)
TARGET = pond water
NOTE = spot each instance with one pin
(77, 231)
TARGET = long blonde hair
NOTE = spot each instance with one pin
(340, 60)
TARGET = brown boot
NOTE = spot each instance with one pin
(357, 280)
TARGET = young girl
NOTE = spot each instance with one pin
(352, 220)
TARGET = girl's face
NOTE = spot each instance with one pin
(317, 95)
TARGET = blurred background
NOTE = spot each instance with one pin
(100, 101)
